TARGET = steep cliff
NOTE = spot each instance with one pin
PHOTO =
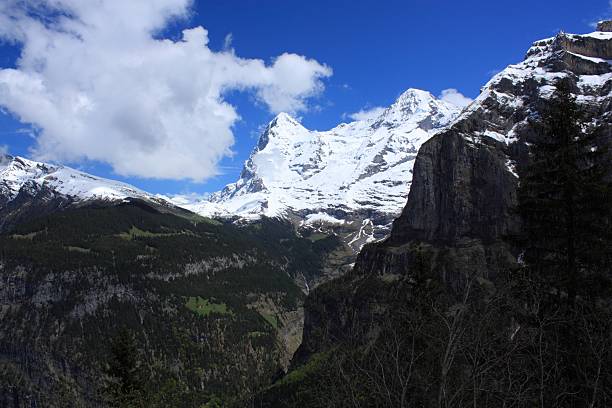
(460, 206)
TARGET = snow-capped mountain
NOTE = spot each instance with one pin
(507, 101)
(357, 172)
(20, 175)
(465, 178)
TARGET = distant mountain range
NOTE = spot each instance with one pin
(352, 179)
(350, 168)
(22, 176)
(357, 174)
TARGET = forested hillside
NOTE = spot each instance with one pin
(212, 307)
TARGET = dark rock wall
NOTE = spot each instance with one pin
(460, 206)
(460, 190)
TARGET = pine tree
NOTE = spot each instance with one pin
(126, 388)
(565, 203)
(565, 200)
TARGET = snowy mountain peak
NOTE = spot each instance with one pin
(284, 119)
(418, 107)
(282, 126)
(506, 105)
(18, 174)
(414, 98)
(356, 173)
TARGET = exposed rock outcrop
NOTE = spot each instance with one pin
(605, 26)
(460, 206)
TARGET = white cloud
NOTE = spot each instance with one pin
(455, 97)
(367, 114)
(99, 84)
(4, 151)
(227, 42)
(184, 199)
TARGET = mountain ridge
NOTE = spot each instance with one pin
(354, 173)
(17, 173)
(374, 146)
(350, 181)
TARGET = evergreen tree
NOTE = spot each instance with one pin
(565, 200)
(126, 388)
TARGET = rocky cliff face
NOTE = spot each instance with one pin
(464, 187)
(465, 178)
(605, 26)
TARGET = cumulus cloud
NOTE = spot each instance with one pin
(367, 114)
(455, 97)
(184, 199)
(99, 84)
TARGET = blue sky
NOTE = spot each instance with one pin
(376, 50)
